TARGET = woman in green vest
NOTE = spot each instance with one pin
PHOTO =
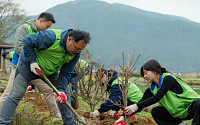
(133, 96)
(178, 101)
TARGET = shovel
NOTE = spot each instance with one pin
(80, 118)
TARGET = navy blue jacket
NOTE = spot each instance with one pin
(43, 40)
(115, 96)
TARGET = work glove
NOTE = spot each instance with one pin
(74, 100)
(35, 66)
(113, 113)
(131, 109)
(29, 88)
(120, 121)
(61, 98)
(94, 114)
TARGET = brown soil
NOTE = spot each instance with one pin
(105, 119)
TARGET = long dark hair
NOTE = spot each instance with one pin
(152, 65)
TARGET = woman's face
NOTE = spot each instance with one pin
(150, 76)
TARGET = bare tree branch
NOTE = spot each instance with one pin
(10, 18)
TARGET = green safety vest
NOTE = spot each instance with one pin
(177, 104)
(30, 29)
(83, 64)
(134, 93)
(11, 54)
(53, 58)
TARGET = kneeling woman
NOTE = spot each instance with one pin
(178, 100)
(134, 94)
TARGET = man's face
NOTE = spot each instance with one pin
(44, 25)
(74, 47)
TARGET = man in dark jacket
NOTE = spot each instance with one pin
(48, 51)
(43, 22)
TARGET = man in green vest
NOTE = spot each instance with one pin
(44, 21)
(48, 51)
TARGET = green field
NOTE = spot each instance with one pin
(193, 82)
(140, 82)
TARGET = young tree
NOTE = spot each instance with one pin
(127, 69)
(10, 18)
(90, 89)
(90, 86)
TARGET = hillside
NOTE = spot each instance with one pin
(114, 28)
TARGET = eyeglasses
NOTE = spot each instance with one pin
(77, 49)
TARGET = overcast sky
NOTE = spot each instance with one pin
(189, 9)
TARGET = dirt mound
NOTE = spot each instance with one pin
(4, 76)
(2, 90)
(106, 119)
(36, 99)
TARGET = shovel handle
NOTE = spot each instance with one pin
(81, 119)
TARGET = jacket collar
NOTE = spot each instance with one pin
(110, 81)
(64, 36)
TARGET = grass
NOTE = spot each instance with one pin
(34, 112)
(3, 83)
(82, 106)
(30, 110)
(144, 114)
(143, 88)
(190, 79)
(184, 78)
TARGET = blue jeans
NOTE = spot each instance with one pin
(23, 76)
(65, 111)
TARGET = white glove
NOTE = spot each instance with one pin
(120, 121)
(35, 66)
(112, 114)
(131, 109)
(94, 114)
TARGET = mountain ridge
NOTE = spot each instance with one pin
(117, 28)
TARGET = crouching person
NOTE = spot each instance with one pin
(115, 95)
(178, 100)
